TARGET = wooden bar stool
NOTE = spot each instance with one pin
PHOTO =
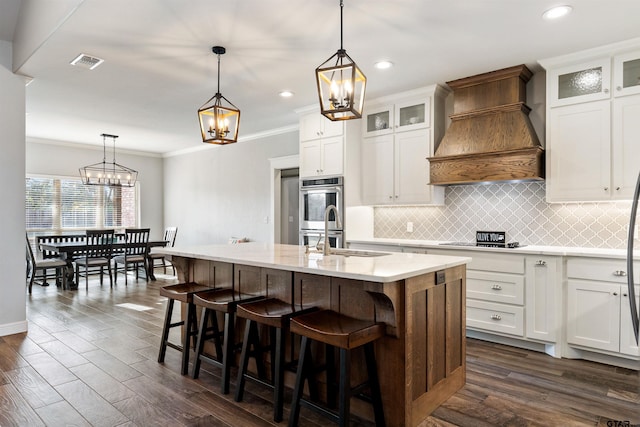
(223, 301)
(275, 314)
(346, 333)
(182, 292)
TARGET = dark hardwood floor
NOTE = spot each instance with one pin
(89, 358)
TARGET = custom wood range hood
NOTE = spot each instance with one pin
(490, 137)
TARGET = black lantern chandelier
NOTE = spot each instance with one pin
(219, 123)
(108, 173)
(341, 85)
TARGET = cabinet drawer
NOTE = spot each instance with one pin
(488, 261)
(495, 317)
(607, 270)
(495, 287)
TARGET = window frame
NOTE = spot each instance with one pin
(57, 227)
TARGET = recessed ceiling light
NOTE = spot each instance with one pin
(286, 94)
(556, 12)
(383, 65)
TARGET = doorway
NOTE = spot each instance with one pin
(289, 206)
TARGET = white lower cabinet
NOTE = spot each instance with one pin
(543, 275)
(598, 315)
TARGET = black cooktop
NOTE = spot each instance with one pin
(509, 245)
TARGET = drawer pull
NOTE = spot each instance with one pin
(620, 273)
(496, 287)
(615, 294)
(496, 317)
(541, 263)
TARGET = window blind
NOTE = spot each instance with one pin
(65, 204)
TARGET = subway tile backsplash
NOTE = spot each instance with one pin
(517, 208)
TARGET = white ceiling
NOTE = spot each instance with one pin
(159, 68)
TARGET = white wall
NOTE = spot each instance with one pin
(223, 191)
(63, 159)
(12, 252)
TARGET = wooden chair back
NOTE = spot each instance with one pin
(30, 258)
(99, 244)
(55, 239)
(170, 236)
(137, 240)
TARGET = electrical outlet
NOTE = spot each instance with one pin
(409, 227)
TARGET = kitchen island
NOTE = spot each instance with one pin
(420, 298)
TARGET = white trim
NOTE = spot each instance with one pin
(276, 165)
(583, 55)
(258, 135)
(94, 147)
(13, 328)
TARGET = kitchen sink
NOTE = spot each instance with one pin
(356, 253)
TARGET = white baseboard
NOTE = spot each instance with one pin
(13, 328)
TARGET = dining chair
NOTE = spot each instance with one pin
(170, 238)
(36, 263)
(97, 254)
(135, 253)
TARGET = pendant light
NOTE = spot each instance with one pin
(219, 123)
(108, 173)
(341, 85)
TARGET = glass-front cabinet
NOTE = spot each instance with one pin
(626, 74)
(579, 83)
(412, 114)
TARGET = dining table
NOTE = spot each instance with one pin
(69, 251)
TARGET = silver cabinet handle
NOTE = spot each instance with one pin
(496, 317)
(496, 287)
(620, 273)
(541, 263)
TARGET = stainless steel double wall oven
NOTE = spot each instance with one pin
(315, 196)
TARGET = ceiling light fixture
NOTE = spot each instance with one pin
(108, 173)
(556, 12)
(286, 94)
(341, 85)
(383, 65)
(219, 123)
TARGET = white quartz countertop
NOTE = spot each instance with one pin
(389, 267)
(526, 250)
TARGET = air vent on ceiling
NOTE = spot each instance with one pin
(86, 61)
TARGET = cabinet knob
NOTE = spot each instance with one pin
(620, 273)
(615, 294)
(606, 188)
(496, 317)
(391, 197)
(606, 90)
(625, 295)
(618, 88)
(617, 188)
(496, 287)
(541, 263)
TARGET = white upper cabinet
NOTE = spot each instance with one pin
(402, 116)
(593, 105)
(321, 146)
(399, 133)
(588, 81)
(626, 75)
(316, 126)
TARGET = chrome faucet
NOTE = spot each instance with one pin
(326, 248)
